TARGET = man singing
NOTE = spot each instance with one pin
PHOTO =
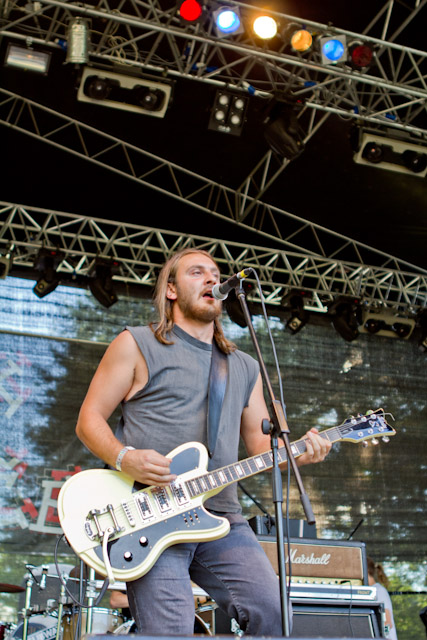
(160, 375)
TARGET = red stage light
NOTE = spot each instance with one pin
(190, 10)
(361, 56)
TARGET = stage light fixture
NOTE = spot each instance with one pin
(333, 49)
(298, 37)
(301, 40)
(139, 95)
(393, 154)
(360, 55)
(294, 301)
(101, 283)
(227, 21)
(346, 317)
(190, 10)
(283, 132)
(47, 262)
(27, 59)
(265, 27)
(77, 41)
(386, 324)
(228, 113)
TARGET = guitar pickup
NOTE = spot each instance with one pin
(179, 493)
(162, 500)
(143, 503)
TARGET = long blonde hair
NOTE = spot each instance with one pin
(164, 306)
(376, 570)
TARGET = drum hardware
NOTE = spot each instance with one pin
(205, 617)
(10, 588)
(104, 621)
(91, 594)
(26, 612)
(5, 627)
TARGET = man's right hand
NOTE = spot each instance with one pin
(148, 467)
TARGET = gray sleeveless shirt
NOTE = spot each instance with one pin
(171, 409)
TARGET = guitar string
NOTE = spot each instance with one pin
(249, 466)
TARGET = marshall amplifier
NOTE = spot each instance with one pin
(321, 561)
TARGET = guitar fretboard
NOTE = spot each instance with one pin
(250, 466)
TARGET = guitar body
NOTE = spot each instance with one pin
(136, 548)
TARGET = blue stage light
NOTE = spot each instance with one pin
(333, 49)
(227, 21)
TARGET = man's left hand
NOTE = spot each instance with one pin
(317, 448)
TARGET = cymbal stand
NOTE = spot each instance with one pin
(27, 611)
(62, 600)
(91, 594)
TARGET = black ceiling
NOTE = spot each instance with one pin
(384, 209)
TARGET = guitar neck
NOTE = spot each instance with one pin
(220, 478)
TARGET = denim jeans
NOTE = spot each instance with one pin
(233, 570)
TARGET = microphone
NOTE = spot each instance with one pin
(221, 291)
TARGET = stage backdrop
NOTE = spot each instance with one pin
(49, 349)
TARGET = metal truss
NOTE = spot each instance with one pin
(139, 251)
(272, 223)
(149, 36)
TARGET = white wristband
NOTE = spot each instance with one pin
(121, 456)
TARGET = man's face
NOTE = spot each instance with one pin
(192, 290)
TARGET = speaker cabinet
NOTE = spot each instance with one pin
(346, 620)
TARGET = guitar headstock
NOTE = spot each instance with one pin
(366, 427)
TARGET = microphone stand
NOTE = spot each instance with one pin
(277, 427)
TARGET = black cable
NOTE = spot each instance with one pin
(64, 584)
(350, 605)
(282, 400)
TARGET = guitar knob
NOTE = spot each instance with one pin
(385, 439)
(143, 541)
(364, 443)
(374, 441)
(128, 556)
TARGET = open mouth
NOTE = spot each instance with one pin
(208, 294)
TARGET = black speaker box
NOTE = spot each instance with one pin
(344, 620)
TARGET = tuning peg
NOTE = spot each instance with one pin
(368, 413)
(364, 443)
(374, 441)
(385, 439)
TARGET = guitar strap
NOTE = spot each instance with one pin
(216, 392)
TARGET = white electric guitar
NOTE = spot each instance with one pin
(120, 532)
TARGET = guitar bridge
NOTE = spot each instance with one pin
(111, 522)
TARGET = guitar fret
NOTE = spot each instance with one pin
(208, 482)
(252, 465)
(233, 473)
(222, 477)
(191, 488)
(212, 480)
(239, 470)
(259, 462)
(282, 455)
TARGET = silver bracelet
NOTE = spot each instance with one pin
(122, 455)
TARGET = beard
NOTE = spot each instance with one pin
(197, 310)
